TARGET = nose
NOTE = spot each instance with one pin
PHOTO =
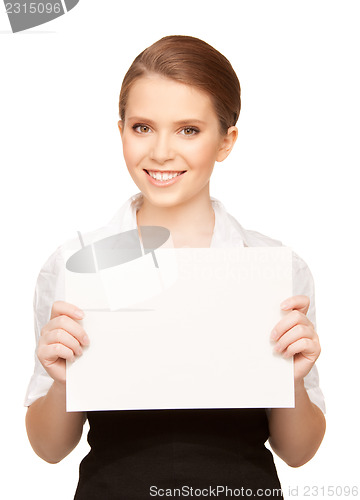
(162, 148)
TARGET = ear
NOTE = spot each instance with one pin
(121, 127)
(227, 143)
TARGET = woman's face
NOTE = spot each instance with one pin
(172, 129)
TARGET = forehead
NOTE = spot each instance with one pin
(163, 98)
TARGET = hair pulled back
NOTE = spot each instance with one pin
(191, 61)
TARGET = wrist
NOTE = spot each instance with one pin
(299, 385)
(59, 388)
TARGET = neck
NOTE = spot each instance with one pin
(191, 223)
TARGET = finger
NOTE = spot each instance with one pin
(60, 336)
(294, 334)
(69, 325)
(49, 354)
(299, 302)
(64, 308)
(290, 320)
(307, 347)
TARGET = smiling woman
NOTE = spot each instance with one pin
(179, 104)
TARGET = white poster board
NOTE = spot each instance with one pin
(203, 342)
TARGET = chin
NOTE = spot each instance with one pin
(168, 200)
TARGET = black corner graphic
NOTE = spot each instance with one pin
(28, 14)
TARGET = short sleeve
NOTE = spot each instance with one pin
(303, 284)
(49, 288)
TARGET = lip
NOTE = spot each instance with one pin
(169, 182)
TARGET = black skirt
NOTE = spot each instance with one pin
(143, 454)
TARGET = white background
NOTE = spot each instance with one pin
(292, 176)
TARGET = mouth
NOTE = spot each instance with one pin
(164, 175)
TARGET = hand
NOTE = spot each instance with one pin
(61, 339)
(295, 336)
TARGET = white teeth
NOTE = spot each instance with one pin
(163, 176)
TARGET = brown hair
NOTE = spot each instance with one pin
(193, 62)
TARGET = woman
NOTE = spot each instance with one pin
(179, 104)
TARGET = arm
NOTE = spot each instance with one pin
(296, 433)
(53, 433)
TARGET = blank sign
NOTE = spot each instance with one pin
(202, 343)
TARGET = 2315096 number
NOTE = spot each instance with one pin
(32, 8)
(331, 491)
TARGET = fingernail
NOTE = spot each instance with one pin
(273, 335)
(86, 340)
(79, 314)
(284, 305)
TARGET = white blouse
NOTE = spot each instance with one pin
(50, 284)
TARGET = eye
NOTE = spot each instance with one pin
(141, 129)
(189, 131)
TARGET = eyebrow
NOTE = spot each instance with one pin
(186, 121)
(190, 121)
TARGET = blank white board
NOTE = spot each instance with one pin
(203, 342)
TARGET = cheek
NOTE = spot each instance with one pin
(131, 152)
(202, 154)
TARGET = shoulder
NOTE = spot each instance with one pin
(123, 220)
(232, 233)
(51, 276)
(253, 238)
(302, 277)
(256, 239)
(250, 237)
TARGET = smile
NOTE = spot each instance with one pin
(162, 176)
(163, 179)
